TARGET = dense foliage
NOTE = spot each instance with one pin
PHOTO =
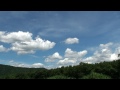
(103, 70)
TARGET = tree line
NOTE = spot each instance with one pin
(102, 70)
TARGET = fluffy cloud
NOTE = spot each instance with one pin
(22, 42)
(67, 61)
(71, 40)
(114, 57)
(73, 54)
(12, 37)
(103, 53)
(53, 57)
(31, 46)
(3, 49)
(105, 46)
(72, 57)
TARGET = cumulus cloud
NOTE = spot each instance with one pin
(31, 46)
(74, 54)
(11, 37)
(71, 40)
(103, 53)
(22, 42)
(114, 57)
(67, 61)
(72, 57)
(3, 49)
(105, 46)
(53, 57)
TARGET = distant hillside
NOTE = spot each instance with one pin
(6, 70)
(103, 70)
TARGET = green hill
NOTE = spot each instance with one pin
(103, 70)
(6, 70)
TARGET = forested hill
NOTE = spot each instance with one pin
(7, 71)
(103, 70)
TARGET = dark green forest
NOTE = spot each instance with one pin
(103, 70)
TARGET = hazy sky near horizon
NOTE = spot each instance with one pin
(58, 38)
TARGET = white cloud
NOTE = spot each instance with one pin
(103, 53)
(3, 49)
(67, 61)
(17, 64)
(22, 42)
(22, 65)
(53, 57)
(31, 46)
(72, 57)
(15, 36)
(105, 45)
(37, 65)
(113, 57)
(71, 40)
(73, 54)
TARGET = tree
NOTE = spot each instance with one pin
(59, 77)
(94, 75)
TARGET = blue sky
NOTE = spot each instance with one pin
(58, 38)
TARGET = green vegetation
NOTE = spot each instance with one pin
(59, 77)
(103, 70)
(94, 75)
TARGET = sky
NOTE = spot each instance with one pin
(52, 39)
